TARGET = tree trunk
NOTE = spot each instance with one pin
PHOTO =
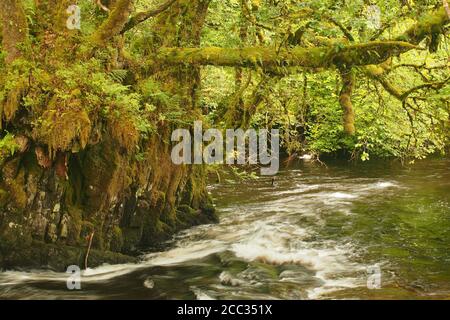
(345, 99)
(14, 28)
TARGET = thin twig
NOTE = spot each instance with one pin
(143, 16)
(91, 236)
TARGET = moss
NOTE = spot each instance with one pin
(131, 237)
(15, 188)
(115, 23)
(75, 190)
(187, 216)
(57, 257)
(345, 99)
(60, 129)
(103, 175)
(123, 130)
(86, 230)
(117, 241)
(159, 197)
(209, 211)
(267, 58)
(13, 100)
(154, 231)
(15, 28)
(431, 23)
(75, 226)
(3, 198)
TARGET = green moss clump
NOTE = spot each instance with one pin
(209, 211)
(116, 242)
(187, 216)
(60, 129)
(75, 226)
(3, 198)
(16, 190)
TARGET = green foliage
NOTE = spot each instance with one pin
(69, 103)
(8, 146)
(30, 11)
(308, 113)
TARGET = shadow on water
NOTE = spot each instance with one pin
(311, 235)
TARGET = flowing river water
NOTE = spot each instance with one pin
(317, 233)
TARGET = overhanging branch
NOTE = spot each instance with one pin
(115, 23)
(377, 73)
(427, 25)
(263, 57)
(340, 54)
(341, 27)
(143, 16)
(430, 23)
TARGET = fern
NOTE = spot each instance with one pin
(118, 75)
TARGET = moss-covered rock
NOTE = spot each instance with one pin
(96, 163)
(15, 255)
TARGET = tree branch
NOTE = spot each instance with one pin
(143, 16)
(102, 6)
(115, 23)
(339, 54)
(341, 27)
(267, 58)
(377, 73)
(433, 85)
(430, 23)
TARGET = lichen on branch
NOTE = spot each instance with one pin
(145, 15)
(265, 57)
(115, 23)
(429, 24)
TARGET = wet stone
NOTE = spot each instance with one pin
(51, 233)
(38, 225)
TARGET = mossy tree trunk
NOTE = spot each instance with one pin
(80, 179)
(14, 28)
(345, 100)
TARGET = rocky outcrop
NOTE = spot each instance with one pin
(46, 218)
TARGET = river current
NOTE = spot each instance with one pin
(318, 232)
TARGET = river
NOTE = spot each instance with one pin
(320, 232)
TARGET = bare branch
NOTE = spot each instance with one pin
(341, 27)
(102, 6)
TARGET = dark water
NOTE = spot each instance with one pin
(318, 233)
